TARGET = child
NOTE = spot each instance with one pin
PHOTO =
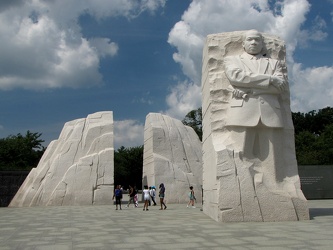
(162, 195)
(192, 197)
(152, 194)
(136, 197)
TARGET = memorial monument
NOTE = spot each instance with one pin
(76, 169)
(172, 155)
(249, 163)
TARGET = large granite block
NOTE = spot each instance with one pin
(76, 169)
(172, 155)
(249, 163)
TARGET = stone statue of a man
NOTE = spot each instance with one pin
(249, 162)
(254, 114)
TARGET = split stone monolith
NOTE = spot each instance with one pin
(76, 169)
(172, 156)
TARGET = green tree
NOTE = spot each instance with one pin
(18, 152)
(306, 148)
(313, 137)
(194, 120)
(313, 121)
(325, 144)
(128, 164)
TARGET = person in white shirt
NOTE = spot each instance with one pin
(146, 197)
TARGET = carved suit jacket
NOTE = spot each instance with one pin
(251, 75)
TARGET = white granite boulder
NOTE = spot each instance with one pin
(76, 169)
(237, 187)
(172, 155)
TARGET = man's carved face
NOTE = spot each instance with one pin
(253, 43)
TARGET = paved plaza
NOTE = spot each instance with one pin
(177, 227)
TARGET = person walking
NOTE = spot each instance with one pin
(131, 196)
(192, 197)
(146, 197)
(152, 194)
(118, 194)
(136, 197)
(162, 195)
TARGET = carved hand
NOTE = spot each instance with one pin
(239, 93)
(278, 83)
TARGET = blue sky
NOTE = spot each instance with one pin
(62, 60)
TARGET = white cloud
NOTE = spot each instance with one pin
(183, 98)
(282, 18)
(312, 88)
(104, 46)
(42, 44)
(189, 46)
(314, 33)
(128, 133)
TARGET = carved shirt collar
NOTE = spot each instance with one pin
(252, 57)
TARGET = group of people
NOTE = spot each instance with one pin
(133, 196)
(148, 196)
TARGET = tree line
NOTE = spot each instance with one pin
(313, 142)
(314, 137)
(21, 152)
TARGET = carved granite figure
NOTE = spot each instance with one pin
(248, 132)
(255, 111)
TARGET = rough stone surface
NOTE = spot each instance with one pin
(236, 189)
(76, 169)
(172, 155)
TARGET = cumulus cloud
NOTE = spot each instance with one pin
(282, 18)
(315, 33)
(104, 46)
(42, 45)
(312, 89)
(99, 9)
(183, 98)
(128, 133)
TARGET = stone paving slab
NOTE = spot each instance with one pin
(177, 227)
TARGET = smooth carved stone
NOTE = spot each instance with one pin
(76, 169)
(244, 181)
(172, 155)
